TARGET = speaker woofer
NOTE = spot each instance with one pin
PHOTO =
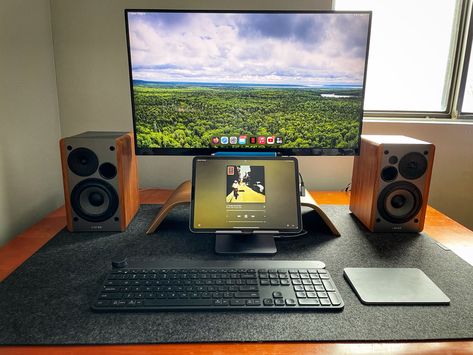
(399, 202)
(412, 165)
(83, 162)
(94, 200)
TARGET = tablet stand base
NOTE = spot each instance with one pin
(182, 195)
(251, 244)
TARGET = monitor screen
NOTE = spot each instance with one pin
(288, 82)
(245, 194)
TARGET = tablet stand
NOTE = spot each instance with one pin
(254, 244)
(182, 195)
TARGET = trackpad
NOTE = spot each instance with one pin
(394, 286)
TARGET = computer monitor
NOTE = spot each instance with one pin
(289, 82)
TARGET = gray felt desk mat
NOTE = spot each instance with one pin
(46, 301)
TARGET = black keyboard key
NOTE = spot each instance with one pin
(248, 276)
(218, 302)
(111, 289)
(279, 302)
(334, 298)
(328, 285)
(246, 295)
(308, 302)
(118, 303)
(102, 303)
(237, 302)
(248, 288)
(325, 302)
(290, 302)
(277, 294)
(177, 303)
(268, 302)
(253, 303)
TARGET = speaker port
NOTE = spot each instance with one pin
(107, 171)
(389, 173)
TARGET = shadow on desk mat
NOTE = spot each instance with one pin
(47, 299)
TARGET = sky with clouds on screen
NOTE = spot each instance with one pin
(283, 49)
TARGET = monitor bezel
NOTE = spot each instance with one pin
(313, 151)
(246, 231)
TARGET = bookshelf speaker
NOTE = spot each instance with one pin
(390, 183)
(100, 181)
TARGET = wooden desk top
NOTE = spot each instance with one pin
(440, 227)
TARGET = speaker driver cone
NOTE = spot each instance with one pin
(83, 162)
(412, 165)
(399, 202)
(94, 200)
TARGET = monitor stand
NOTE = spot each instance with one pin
(246, 244)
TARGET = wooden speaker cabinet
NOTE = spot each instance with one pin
(390, 183)
(100, 180)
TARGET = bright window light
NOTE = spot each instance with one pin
(467, 106)
(411, 53)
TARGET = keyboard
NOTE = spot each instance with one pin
(240, 285)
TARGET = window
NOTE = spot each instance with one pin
(414, 56)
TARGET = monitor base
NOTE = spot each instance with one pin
(249, 244)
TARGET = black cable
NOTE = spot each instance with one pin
(291, 236)
(301, 185)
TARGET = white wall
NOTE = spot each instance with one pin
(30, 175)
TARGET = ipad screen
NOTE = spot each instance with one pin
(245, 194)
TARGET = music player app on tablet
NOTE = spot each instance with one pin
(249, 194)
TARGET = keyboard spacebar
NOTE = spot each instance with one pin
(177, 303)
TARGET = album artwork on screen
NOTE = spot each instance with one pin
(245, 184)
(203, 80)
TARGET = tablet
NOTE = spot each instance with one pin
(245, 194)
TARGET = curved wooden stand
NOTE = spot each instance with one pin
(182, 195)
(308, 201)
